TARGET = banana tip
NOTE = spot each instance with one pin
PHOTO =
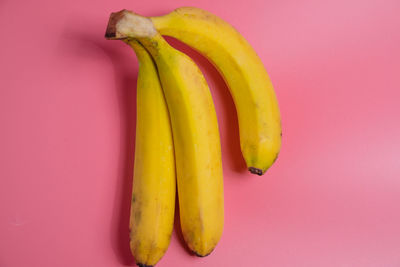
(201, 256)
(257, 171)
(143, 265)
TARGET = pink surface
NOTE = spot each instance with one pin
(67, 118)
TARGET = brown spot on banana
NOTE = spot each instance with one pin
(202, 256)
(257, 171)
(138, 215)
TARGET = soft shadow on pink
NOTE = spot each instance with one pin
(125, 89)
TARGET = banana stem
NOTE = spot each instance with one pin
(125, 24)
(128, 27)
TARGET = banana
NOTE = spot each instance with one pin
(153, 196)
(194, 128)
(249, 84)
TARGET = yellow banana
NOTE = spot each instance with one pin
(249, 84)
(195, 132)
(153, 196)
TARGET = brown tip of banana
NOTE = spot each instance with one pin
(201, 256)
(143, 265)
(111, 31)
(257, 171)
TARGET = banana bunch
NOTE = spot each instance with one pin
(177, 134)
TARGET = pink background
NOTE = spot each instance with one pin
(67, 118)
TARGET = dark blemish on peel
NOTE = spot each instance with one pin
(202, 256)
(138, 215)
(257, 171)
